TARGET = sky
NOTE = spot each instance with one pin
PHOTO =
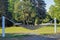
(49, 3)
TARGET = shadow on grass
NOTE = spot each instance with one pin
(13, 35)
(18, 35)
(31, 27)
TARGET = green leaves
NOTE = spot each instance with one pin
(57, 2)
(55, 10)
(23, 10)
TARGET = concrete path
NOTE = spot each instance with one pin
(38, 38)
(32, 37)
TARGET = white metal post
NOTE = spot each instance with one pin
(3, 26)
(55, 28)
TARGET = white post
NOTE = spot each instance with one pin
(55, 29)
(3, 26)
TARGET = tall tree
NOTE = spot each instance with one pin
(55, 10)
(23, 10)
(27, 9)
(3, 7)
(40, 9)
(57, 2)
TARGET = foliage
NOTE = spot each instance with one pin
(40, 10)
(26, 10)
(54, 11)
(57, 2)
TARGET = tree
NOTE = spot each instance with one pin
(3, 7)
(11, 7)
(40, 10)
(57, 2)
(54, 11)
(23, 11)
(27, 10)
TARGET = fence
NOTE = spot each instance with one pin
(3, 26)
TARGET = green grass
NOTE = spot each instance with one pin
(22, 30)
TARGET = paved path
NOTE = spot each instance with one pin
(32, 37)
(35, 37)
(38, 38)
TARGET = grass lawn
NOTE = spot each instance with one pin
(14, 33)
(22, 30)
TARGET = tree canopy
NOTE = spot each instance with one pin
(55, 10)
(27, 10)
